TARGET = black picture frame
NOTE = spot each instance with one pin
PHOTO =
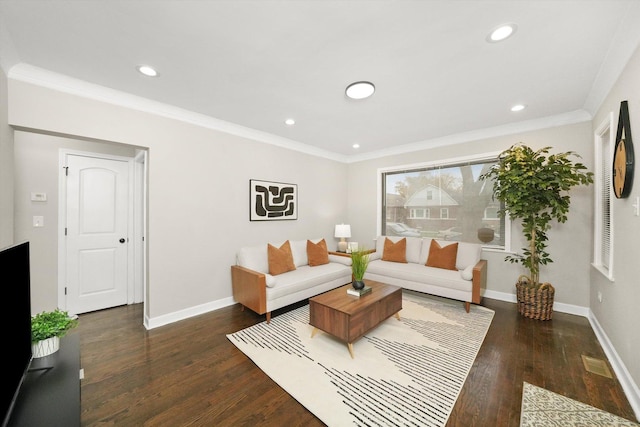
(272, 201)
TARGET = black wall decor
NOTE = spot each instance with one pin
(272, 201)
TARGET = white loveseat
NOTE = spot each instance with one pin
(465, 282)
(256, 289)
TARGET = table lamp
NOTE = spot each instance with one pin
(343, 231)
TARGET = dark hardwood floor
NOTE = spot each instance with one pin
(189, 374)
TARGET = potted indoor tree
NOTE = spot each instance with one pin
(46, 330)
(359, 264)
(534, 187)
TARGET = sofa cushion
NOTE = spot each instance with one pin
(413, 249)
(424, 251)
(280, 259)
(317, 253)
(419, 273)
(412, 252)
(395, 252)
(442, 257)
(306, 277)
(380, 242)
(468, 255)
(253, 258)
(299, 252)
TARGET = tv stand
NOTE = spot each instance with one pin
(50, 394)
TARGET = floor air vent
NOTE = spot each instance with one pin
(596, 366)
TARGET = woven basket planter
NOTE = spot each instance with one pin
(535, 301)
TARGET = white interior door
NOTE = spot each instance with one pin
(97, 242)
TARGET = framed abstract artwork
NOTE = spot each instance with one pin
(272, 201)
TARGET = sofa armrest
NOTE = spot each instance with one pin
(479, 280)
(249, 288)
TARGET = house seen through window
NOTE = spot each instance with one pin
(447, 202)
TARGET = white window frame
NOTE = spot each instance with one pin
(603, 260)
(413, 211)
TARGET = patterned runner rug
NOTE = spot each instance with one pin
(405, 372)
(542, 408)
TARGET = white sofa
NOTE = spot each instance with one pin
(256, 289)
(465, 283)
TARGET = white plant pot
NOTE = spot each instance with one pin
(45, 347)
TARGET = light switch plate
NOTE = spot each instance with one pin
(38, 221)
(38, 197)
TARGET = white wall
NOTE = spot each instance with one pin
(198, 194)
(569, 243)
(618, 313)
(6, 168)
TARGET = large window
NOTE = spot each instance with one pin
(446, 201)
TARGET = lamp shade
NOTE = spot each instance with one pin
(343, 230)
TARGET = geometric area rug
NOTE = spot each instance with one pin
(542, 408)
(404, 372)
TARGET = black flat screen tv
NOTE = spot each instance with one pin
(16, 283)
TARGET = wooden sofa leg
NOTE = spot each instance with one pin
(467, 306)
(268, 317)
(241, 307)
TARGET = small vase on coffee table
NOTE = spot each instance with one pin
(357, 284)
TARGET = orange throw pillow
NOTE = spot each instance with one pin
(442, 257)
(395, 252)
(280, 259)
(317, 253)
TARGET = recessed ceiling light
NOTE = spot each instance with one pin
(289, 122)
(518, 107)
(356, 145)
(501, 33)
(147, 71)
(360, 90)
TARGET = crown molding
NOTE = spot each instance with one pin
(45, 78)
(573, 117)
(41, 77)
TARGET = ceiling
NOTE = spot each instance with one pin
(250, 65)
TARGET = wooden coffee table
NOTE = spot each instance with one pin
(349, 317)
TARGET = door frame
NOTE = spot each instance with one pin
(136, 223)
(140, 226)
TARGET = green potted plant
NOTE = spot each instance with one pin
(359, 264)
(46, 330)
(534, 186)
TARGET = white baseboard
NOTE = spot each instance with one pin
(557, 306)
(630, 388)
(176, 316)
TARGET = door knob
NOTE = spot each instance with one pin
(122, 240)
